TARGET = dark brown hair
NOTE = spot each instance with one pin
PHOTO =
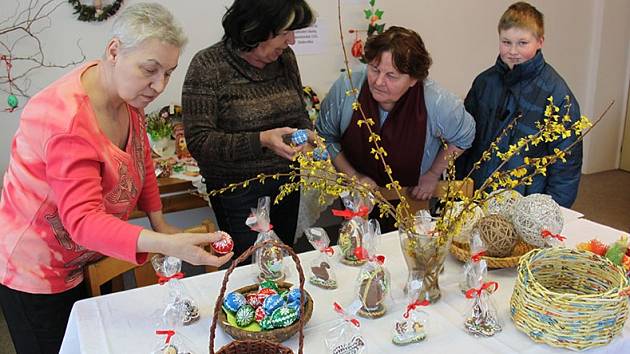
(409, 55)
(524, 16)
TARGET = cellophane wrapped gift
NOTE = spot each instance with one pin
(321, 272)
(475, 268)
(411, 327)
(171, 342)
(179, 306)
(344, 336)
(482, 319)
(357, 208)
(373, 281)
(269, 258)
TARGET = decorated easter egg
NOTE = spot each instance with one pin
(266, 324)
(259, 314)
(295, 305)
(233, 301)
(269, 284)
(253, 300)
(320, 154)
(294, 295)
(299, 137)
(283, 317)
(245, 315)
(264, 293)
(272, 302)
(224, 245)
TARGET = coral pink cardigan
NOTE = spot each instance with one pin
(68, 190)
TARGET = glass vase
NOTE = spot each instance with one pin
(425, 257)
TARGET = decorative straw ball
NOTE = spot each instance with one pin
(501, 202)
(498, 235)
(466, 221)
(534, 214)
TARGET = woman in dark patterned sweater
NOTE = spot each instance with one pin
(240, 97)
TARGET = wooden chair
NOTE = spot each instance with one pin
(468, 188)
(112, 269)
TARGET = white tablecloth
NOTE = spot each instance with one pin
(123, 322)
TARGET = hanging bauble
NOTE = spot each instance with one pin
(12, 101)
(535, 215)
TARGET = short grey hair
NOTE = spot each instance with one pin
(143, 21)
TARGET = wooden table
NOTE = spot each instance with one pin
(177, 195)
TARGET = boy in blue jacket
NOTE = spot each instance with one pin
(519, 84)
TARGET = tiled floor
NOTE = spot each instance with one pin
(603, 197)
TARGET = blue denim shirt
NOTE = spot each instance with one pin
(446, 117)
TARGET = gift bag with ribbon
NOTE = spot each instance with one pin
(171, 342)
(482, 319)
(373, 281)
(411, 327)
(322, 273)
(180, 308)
(269, 259)
(344, 337)
(357, 208)
(475, 268)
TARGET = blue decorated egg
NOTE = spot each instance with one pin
(320, 154)
(299, 137)
(294, 295)
(233, 301)
(272, 302)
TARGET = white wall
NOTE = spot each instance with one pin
(587, 41)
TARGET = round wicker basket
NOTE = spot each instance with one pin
(461, 251)
(266, 341)
(569, 299)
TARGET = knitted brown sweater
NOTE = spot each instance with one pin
(227, 102)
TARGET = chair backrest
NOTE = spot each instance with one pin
(111, 269)
(467, 187)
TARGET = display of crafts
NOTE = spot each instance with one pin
(618, 253)
(267, 308)
(509, 225)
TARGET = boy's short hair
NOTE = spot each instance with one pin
(525, 16)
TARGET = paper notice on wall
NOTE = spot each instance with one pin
(310, 40)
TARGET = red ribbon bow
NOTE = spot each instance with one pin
(169, 333)
(490, 287)
(162, 279)
(328, 251)
(477, 256)
(347, 317)
(362, 254)
(413, 306)
(547, 233)
(349, 214)
(257, 228)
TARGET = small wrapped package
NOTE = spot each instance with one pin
(482, 319)
(269, 258)
(373, 282)
(345, 335)
(170, 342)
(551, 239)
(322, 273)
(350, 233)
(475, 268)
(411, 327)
(179, 306)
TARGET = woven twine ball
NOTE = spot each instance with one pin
(498, 235)
(503, 203)
(535, 213)
(467, 221)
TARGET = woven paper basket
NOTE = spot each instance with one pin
(569, 299)
(461, 251)
(265, 342)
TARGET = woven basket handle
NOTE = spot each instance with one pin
(245, 255)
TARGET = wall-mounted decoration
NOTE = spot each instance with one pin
(100, 10)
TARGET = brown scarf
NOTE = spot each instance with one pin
(403, 136)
